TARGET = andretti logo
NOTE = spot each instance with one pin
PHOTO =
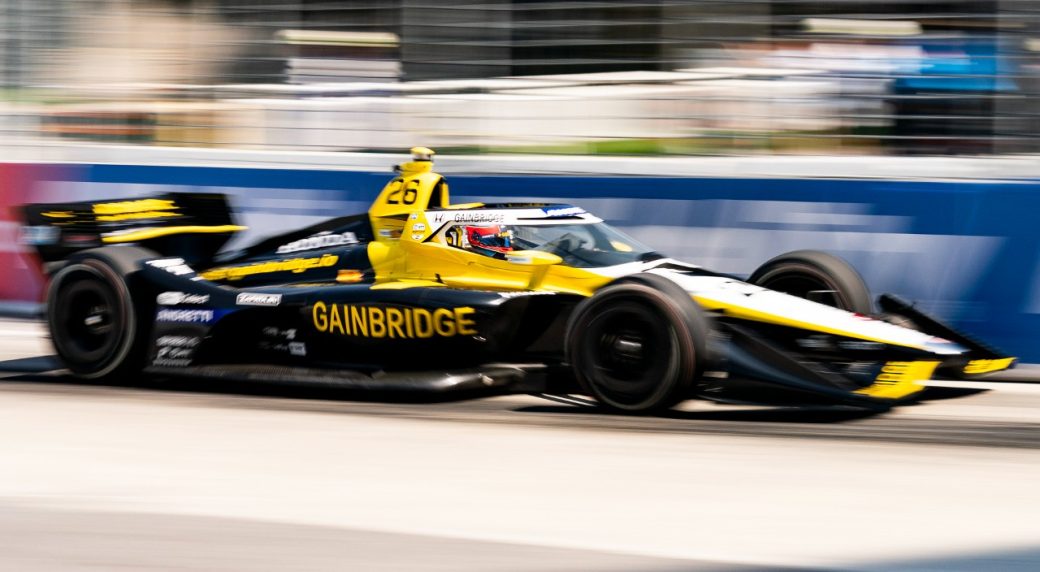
(188, 316)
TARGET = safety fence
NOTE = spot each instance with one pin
(648, 77)
(967, 251)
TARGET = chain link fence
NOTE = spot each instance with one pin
(590, 77)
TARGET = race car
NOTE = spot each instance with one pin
(423, 295)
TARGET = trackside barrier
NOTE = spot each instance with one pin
(967, 251)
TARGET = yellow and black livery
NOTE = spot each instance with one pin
(419, 294)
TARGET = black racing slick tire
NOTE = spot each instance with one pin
(638, 344)
(97, 313)
(816, 276)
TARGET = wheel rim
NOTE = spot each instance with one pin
(626, 352)
(88, 319)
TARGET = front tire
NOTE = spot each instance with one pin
(816, 276)
(638, 344)
(97, 316)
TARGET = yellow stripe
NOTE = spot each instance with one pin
(977, 366)
(405, 284)
(757, 316)
(899, 379)
(147, 233)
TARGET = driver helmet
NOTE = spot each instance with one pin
(494, 238)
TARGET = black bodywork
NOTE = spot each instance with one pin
(305, 306)
(414, 338)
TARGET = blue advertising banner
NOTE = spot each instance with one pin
(966, 251)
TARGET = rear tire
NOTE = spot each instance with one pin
(638, 344)
(98, 315)
(816, 276)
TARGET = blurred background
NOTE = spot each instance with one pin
(646, 77)
(897, 134)
(900, 135)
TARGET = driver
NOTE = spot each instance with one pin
(490, 240)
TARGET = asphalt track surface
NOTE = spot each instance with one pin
(200, 475)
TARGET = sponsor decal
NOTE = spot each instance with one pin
(294, 265)
(282, 341)
(413, 216)
(178, 341)
(860, 345)
(417, 236)
(172, 265)
(818, 342)
(189, 316)
(161, 359)
(479, 217)
(165, 262)
(175, 298)
(321, 240)
(418, 227)
(273, 332)
(258, 299)
(468, 217)
(175, 351)
(392, 322)
(291, 348)
(135, 210)
(563, 211)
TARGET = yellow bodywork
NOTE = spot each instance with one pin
(979, 366)
(148, 233)
(403, 257)
(899, 379)
(401, 253)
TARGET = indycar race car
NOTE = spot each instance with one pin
(420, 294)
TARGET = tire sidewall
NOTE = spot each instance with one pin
(127, 326)
(685, 352)
(835, 273)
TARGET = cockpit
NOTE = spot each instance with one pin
(581, 240)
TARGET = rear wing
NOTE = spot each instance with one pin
(191, 225)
